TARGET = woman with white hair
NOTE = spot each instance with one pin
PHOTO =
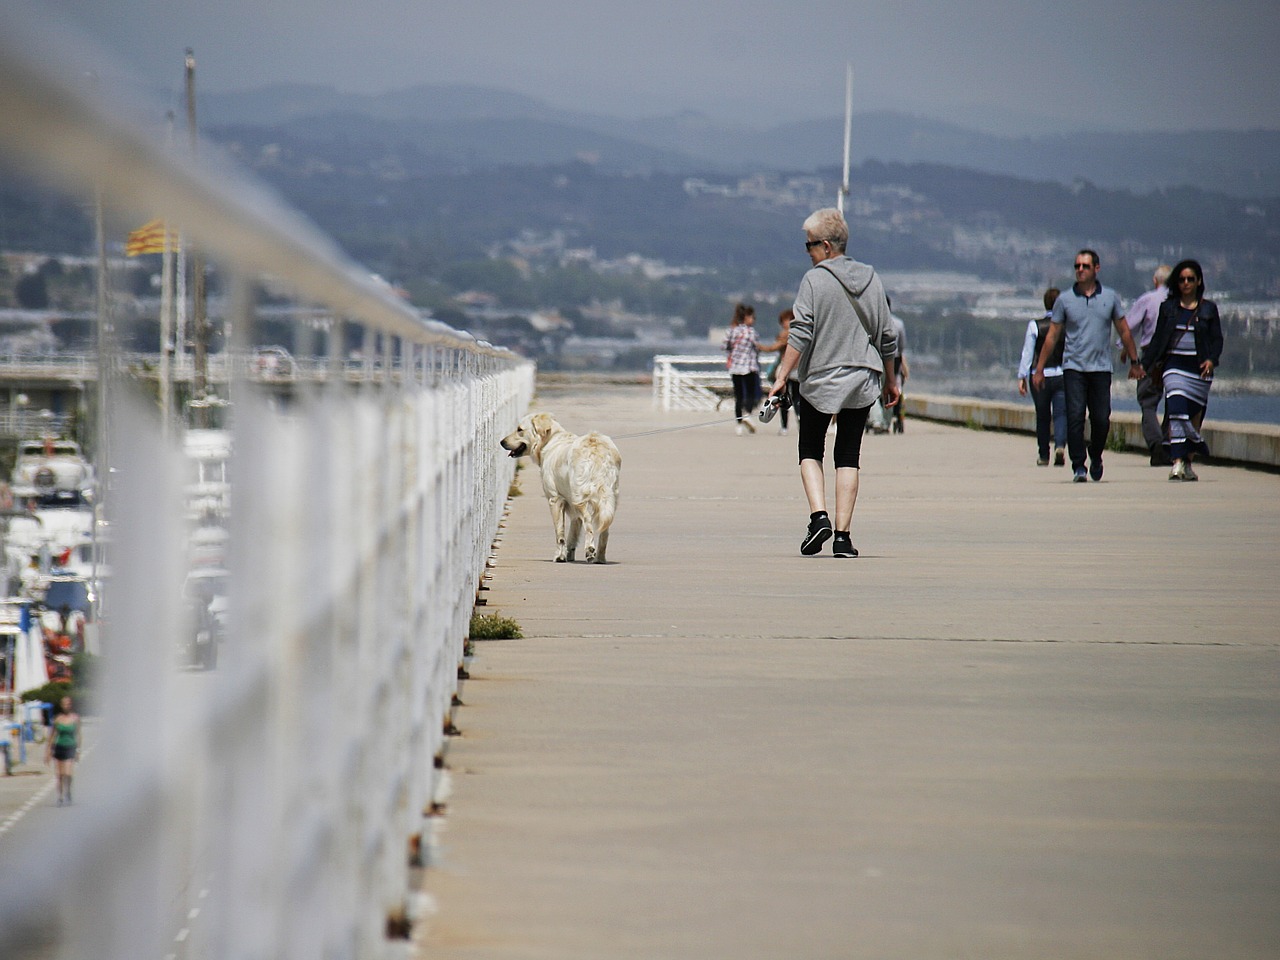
(841, 344)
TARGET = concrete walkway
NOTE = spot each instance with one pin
(1033, 719)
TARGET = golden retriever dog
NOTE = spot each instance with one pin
(579, 478)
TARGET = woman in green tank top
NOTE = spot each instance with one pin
(63, 745)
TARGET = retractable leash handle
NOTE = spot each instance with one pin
(772, 406)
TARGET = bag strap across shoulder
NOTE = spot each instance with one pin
(857, 304)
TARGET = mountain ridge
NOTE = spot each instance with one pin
(1242, 163)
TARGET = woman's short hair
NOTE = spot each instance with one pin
(739, 311)
(1174, 285)
(1051, 297)
(828, 224)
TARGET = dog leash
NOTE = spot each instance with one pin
(687, 426)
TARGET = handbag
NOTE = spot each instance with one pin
(1156, 375)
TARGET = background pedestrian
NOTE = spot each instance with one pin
(1185, 350)
(1050, 399)
(742, 346)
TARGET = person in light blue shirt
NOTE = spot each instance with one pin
(1085, 315)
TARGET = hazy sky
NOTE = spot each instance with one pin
(1011, 66)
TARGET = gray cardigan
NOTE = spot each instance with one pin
(840, 364)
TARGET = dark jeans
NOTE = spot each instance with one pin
(1051, 409)
(1149, 395)
(1089, 392)
(746, 393)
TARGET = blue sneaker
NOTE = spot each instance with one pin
(1080, 476)
(1095, 469)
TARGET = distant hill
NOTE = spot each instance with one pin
(401, 203)
(438, 187)
(1241, 163)
(478, 126)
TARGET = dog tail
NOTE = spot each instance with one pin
(607, 505)
(596, 476)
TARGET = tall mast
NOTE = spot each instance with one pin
(102, 447)
(200, 334)
(848, 127)
(166, 320)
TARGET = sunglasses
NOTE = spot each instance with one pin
(810, 244)
(1188, 278)
(1084, 266)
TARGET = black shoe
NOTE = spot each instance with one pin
(819, 533)
(1095, 469)
(1160, 457)
(842, 545)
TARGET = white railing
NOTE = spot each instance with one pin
(221, 367)
(26, 423)
(265, 808)
(689, 382)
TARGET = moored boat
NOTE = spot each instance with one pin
(51, 468)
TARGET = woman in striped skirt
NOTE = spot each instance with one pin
(1187, 344)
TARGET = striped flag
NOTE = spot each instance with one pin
(150, 238)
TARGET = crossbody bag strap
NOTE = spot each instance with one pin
(857, 306)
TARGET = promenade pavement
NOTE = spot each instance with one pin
(1032, 719)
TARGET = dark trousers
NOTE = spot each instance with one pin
(1149, 395)
(1051, 411)
(1091, 393)
(746, 393)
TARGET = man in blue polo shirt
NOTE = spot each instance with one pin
(1085, 315)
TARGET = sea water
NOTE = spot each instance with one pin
(1233, 406)
(1238, 407)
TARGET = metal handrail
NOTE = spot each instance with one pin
(290, 782)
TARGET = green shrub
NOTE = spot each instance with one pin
(80, 688)
(491, 626)
(51, 692)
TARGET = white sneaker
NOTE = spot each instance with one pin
(1179, 471)
(782, 432)
(739, 429)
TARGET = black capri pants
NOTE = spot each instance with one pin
(850, 424)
